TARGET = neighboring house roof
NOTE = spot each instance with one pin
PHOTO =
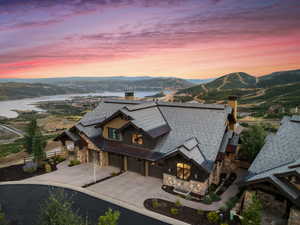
(280, 155)
(173, 125)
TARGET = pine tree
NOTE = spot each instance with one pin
(35, 142)
(57, 210)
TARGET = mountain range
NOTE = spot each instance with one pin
(278, 88)
(26, 88)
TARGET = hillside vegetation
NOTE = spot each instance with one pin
(9, 91)
(279, 89)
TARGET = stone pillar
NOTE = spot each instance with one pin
(125, 163)
(294, 218)
(103, 161)
(146, 168)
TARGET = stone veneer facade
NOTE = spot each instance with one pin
(193, 186)
(188, 186)
(294, 218)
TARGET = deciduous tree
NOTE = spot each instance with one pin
(252, 140)
(252, 214)
(110, 218)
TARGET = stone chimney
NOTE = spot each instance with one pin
(232, 102)
(129, 94)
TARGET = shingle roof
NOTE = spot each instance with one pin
(204, 122)
(279, 155)
(147, 117)
(191, 150)
(279, 149)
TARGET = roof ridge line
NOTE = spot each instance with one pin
(276, 167)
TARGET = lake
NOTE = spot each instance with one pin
(7, 107)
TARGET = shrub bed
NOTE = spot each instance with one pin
(187, 214)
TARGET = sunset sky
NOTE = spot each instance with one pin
(182, 38)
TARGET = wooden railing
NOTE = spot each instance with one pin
(49, 155)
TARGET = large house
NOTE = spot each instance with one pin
(276, 169)
(185, 145)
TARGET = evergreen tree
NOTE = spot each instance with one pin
(35, 142)
(57, 210)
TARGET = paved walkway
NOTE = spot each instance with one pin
(78, 176)
(134, 189)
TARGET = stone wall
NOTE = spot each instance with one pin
(294, 218)
(188, 186)
(216, 173)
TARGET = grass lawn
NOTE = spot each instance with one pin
(15, 147)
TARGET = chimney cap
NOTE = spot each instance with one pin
(232, 97)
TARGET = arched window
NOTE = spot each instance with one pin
(137, 139)
(183, 171)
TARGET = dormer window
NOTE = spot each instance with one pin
(137, 139)
(113, 133)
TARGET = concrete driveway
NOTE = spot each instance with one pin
(78, 176)
(134, 189)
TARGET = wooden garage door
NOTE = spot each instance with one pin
(135, 165)
(155, 170)
(115, 160)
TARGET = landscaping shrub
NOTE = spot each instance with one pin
(114, 174)
(48, 168)
(252, 215)
(155, 204)
(174, 211)
(30, 167)
(214, 197)
(231, 203)
(212, 188)
(213, 217)
(3, 220)
(178, 203)
(58, 159)
(110, 218)
(207, 200)
(200, 212)
(74, 162)
(224, 223)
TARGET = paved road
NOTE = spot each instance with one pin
(13, 130)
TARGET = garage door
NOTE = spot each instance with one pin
(155, 171)
(135, 165)
(115, 160)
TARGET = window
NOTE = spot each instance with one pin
(137, 139)
(113, 133)
(183, 171)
